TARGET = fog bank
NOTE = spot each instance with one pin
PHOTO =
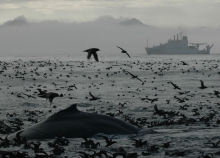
(21, 37)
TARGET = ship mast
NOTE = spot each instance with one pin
(147, 43)
(181, 35)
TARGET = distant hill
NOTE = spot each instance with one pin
(19, 21)
(134, 22)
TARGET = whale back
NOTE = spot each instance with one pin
(73, 123)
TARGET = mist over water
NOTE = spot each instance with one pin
(45, 38)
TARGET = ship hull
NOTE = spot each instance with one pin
(152, 51)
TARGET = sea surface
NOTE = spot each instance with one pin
(166, 100)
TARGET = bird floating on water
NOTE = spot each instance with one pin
(202, 85)
(93, 97)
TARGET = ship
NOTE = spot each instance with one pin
(178, 45)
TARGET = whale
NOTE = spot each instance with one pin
(73, 123)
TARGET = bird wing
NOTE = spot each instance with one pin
(95, 56)
(177, 98)
(43, 95)
(128, 55)
(119, 47)
(172, 84)
(50, 100)
(86, 50)
(202, 83)
(91, 49)
(91, 95)
(25, 94)
(140, 79)
(106, 138)
(113, 137)
(89, 55)
(85, 138)
(130, 73)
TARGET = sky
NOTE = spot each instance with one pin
(159, 13)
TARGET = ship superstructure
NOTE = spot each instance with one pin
(178, 45)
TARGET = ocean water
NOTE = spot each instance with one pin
(113, 57)
(187, 117)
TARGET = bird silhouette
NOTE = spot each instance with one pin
(41, 92)
(50, 96)
(202, 85)
(152, 100)
(174, 85)
(184, 63)
(92, 51)
(124, 51)
(134, 76)
(139, 142)
(93, 97)
(180, 100)
(108, 141)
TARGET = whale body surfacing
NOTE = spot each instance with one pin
(72, 123)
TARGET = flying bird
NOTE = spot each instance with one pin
(175, 85)
(41, 92)
(124, 51)
(134, 76)
(92, 51)
(50, 96)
